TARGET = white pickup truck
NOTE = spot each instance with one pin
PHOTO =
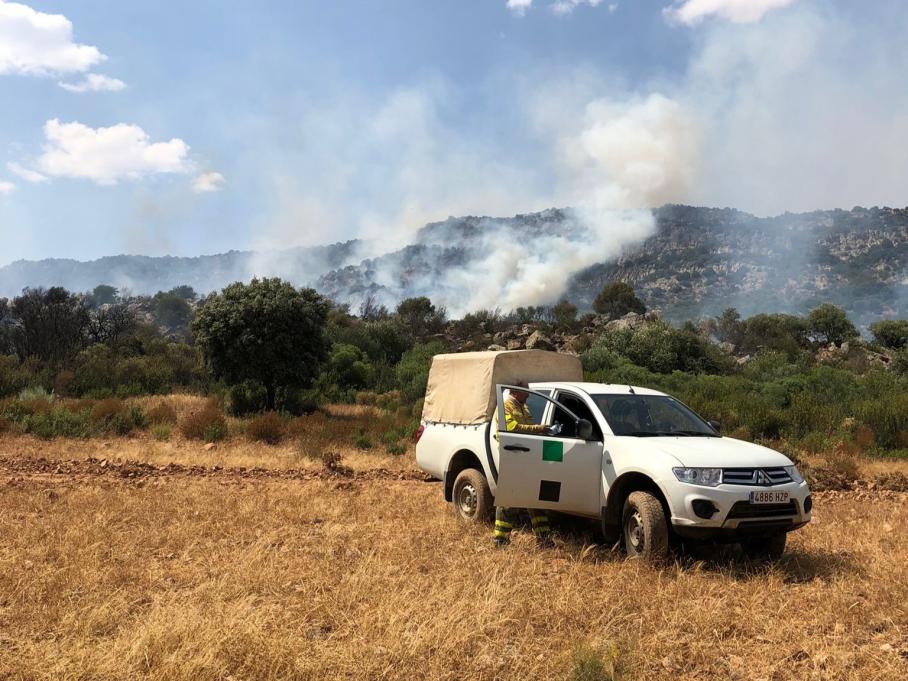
(640, 461)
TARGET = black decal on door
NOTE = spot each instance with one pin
(549, 490)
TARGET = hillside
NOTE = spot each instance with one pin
(142, 274)
(698, 262)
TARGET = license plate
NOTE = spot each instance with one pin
(767, 497)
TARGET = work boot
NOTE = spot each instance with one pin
(501, 542)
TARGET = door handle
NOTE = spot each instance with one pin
(516, 448)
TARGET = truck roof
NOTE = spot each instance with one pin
(596, 388)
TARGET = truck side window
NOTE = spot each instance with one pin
(578, 406)
(536, 405)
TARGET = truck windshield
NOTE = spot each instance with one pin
(651, 416)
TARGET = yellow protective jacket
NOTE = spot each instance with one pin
(517, 418)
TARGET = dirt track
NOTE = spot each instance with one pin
(23, 467)
(887, 486)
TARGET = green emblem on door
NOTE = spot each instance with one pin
(552, 450)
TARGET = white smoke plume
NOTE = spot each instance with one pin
(621, 158)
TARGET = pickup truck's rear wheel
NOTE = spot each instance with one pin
(644, 527)
(471, 497)
(766, 547)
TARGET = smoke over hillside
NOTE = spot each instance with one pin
(766, 117)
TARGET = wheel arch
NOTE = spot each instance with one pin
(460, 461)
(620, 490)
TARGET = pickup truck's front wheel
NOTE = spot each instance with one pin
(644, 527)
(471, 496)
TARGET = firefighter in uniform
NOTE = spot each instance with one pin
(518, 419)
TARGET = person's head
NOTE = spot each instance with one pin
(520, 395)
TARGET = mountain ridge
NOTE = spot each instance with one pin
(697, 261)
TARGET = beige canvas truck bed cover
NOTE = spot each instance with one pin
(461, 387)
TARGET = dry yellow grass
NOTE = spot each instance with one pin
(181, 576)
(177, 577)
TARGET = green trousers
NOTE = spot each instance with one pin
(505, 518)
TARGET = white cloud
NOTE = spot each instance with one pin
(6, 187)
(692, 12)
(568, 6)
(208, 182)
(519, 7)
(95, 82)
(25, 173)
(108, 155)
(39, 44)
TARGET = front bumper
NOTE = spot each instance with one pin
(733, 515)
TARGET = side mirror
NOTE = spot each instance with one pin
(715, 425)
(584, 429)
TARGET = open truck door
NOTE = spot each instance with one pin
(548, 471)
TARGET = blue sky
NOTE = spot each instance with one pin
(210, 126)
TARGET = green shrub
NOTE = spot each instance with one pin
(361, 440)
(245, 398)
(395, 449)
(14, 377)
(886, 417)
(891, 333)
(412, 373)
(34, 393)
(814, 443)
(591, 664)
(57, 422)
(161, 431)
(268, 428)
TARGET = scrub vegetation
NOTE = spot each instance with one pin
(171, 515)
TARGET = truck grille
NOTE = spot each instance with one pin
(763, 477)
(744, 509)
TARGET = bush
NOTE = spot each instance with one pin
(412, 373)
(245, 398)
(843, 461)
(268, 428)
(829, 324)
(162, 413)
(113, 415)
(106, 410)
(14, 377)
(161, 431)
(58, 422)
(616, 299)
(396, 449)
(361, 440)
(590, 664)
(891, 333)
(207, 424)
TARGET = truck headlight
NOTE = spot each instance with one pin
(707, 477)
(794, 474)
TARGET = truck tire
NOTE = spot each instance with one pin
(471, 497)
(767, 547)
(644, 527)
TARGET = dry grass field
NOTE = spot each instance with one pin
(109, 570)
